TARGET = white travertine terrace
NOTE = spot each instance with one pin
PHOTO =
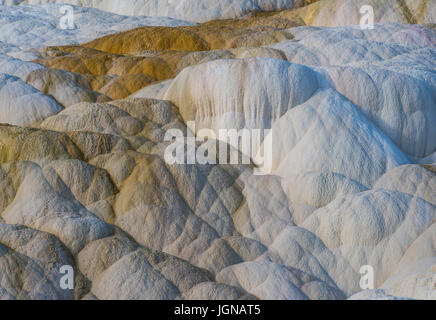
(83, 180)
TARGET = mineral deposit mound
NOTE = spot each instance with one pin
(100, 199)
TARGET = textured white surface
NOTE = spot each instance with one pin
(22, 104)
(352, 114)
(38, 26)
(192, 10)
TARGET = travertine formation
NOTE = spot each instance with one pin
(84, 181)
(346, 12)
(192, 10)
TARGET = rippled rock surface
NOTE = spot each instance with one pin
(84, 179)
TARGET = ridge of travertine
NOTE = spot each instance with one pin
(84, 181)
